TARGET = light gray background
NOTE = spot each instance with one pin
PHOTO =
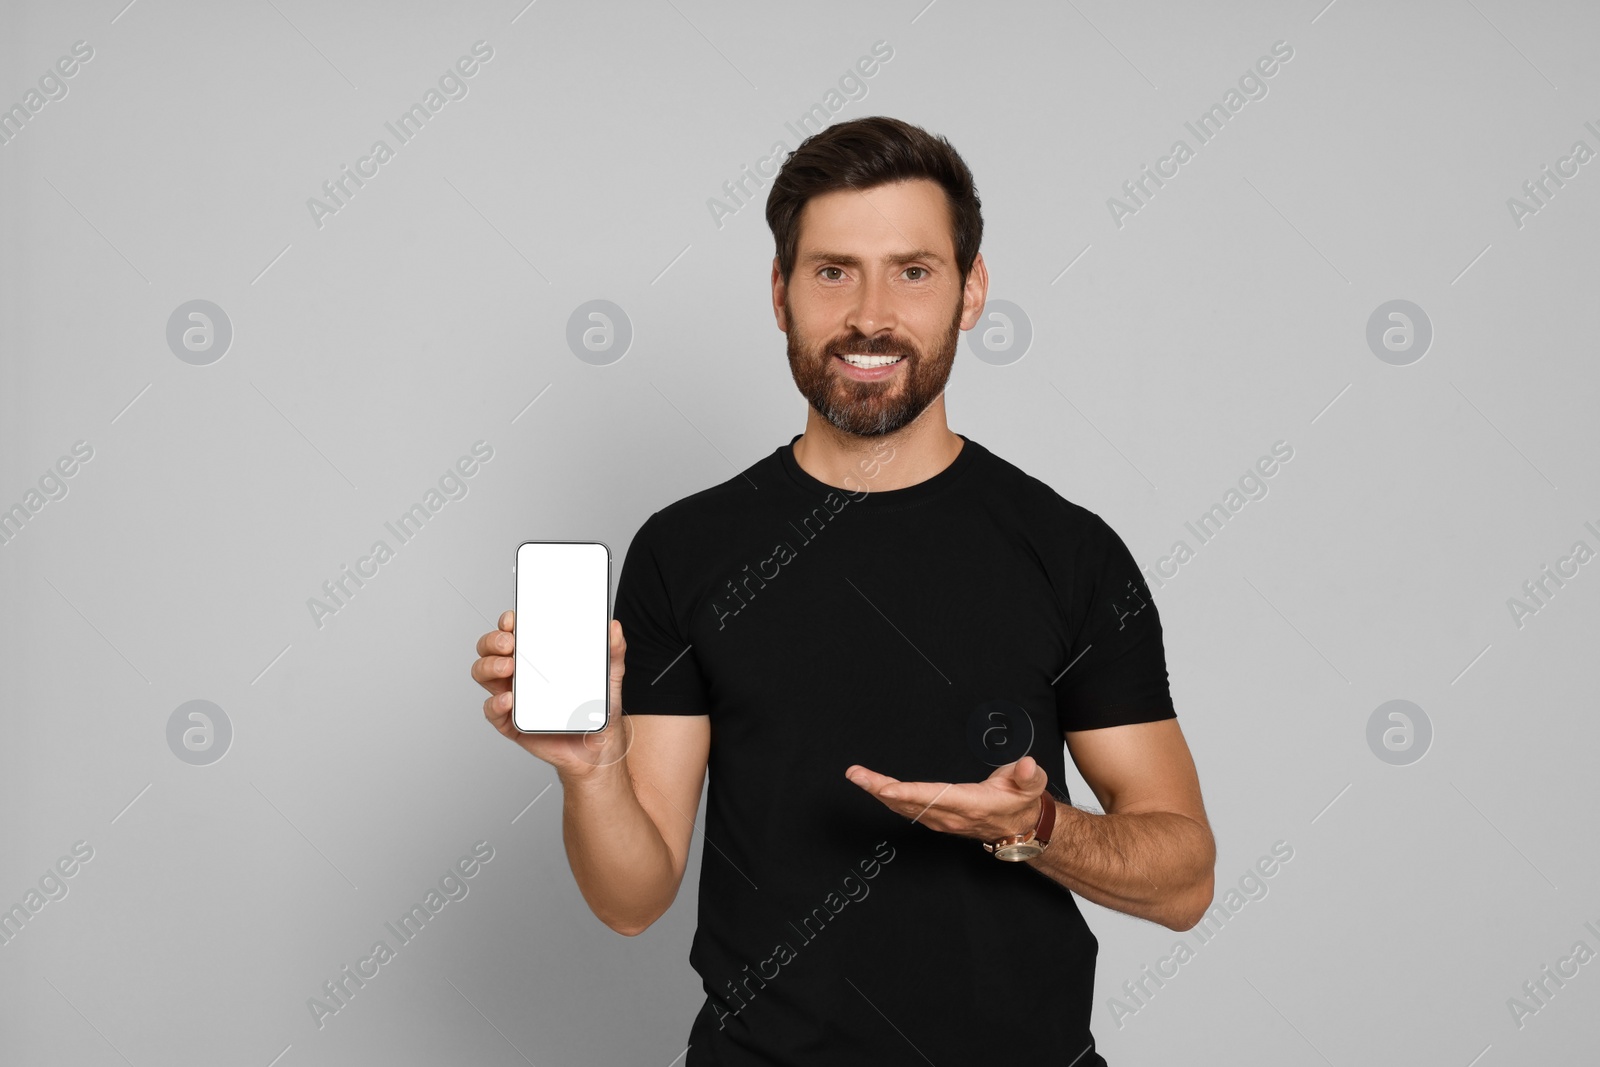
(1167, 355)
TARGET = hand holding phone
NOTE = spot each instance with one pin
(514, 703)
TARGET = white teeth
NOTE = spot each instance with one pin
(870, 361)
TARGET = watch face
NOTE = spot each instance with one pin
(1024, 851)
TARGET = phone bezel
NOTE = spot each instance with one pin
(515, 555)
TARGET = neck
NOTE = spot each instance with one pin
(914, 453)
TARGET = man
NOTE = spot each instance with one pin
(873, 639)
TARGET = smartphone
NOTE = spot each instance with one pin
(561, 684)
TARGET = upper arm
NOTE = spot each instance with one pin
(667, 761)
(1142, 766)
(668, 744)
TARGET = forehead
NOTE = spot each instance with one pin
(912, 214)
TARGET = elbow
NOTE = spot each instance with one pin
(1191, 907)
(1189, 917)
(635, 924)
(631, 925)
(632, 914)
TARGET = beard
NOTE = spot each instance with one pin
(871, 409)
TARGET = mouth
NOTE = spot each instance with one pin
(868, 367)
(869, 362)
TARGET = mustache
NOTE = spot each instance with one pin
(885, 346)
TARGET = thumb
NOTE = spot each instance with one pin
(1027, 773)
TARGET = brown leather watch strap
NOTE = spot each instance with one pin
(1047, 819)
(1007, 847)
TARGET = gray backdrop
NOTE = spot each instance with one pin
(1379, 257)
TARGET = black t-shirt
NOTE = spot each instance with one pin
(931, 633)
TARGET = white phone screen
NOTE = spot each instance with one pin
(561, 680)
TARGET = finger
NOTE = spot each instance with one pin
(492, 672)
(617, 650)
(1008, 775)
(1025, 775)
(508, 620)
(496, 643)
(1034, 781)
(921, 796)
(869, 780)
(892, 791)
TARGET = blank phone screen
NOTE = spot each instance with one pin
(562, 634)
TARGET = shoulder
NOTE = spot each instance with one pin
(1037, 501)
(700, 517)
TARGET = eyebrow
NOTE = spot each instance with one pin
(847, 260)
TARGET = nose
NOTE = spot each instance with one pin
(873, 312)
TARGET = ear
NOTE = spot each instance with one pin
(974, 293)
(779, 287)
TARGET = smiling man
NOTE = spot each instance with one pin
(881, 640)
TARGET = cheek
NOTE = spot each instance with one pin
(813, 330)
(939, 333)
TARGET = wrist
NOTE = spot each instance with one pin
(1031, 840)
(1028, 818)
(595, 777)
(1055, 822)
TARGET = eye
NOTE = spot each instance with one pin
(825, 270)
(924, 271)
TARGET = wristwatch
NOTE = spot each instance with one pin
(1018, 847)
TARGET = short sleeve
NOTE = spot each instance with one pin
(661, 676)
(1116, 670)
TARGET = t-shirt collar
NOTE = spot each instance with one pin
(921, 491)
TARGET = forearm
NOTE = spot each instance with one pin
(622, 865)
(1156, 865)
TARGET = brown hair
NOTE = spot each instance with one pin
(864, 153)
